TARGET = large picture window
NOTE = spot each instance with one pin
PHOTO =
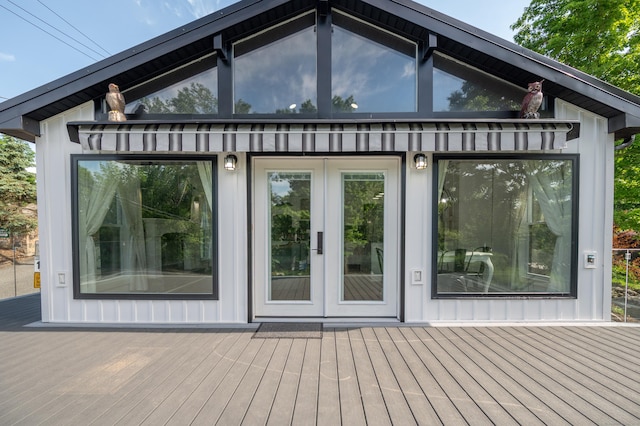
(144, 227)
(505, 225)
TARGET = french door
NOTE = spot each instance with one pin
(326, 237)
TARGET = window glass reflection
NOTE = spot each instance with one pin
(275, 73)
(145, 228)
(459, 87)
(371, 76)
(197, 94)
(505, 226)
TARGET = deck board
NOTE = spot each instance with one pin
(370, 375)
(281, 411)
(306, 408)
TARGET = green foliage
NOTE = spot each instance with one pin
(626, 203)
(473, 97)
(194, 99)
(17, 185)
(599, 37)
(343, 105)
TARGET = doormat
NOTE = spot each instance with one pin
(288, 330)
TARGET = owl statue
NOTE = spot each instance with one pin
(116, 102)
(532, 100)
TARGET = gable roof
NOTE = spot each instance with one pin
(20, 116)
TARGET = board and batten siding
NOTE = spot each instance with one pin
(54, 148)
(595, 147)
(53, 152)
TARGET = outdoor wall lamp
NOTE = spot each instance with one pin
(420, 160)
(230, 162)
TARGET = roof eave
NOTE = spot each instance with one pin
(21, 127)
(624, 126)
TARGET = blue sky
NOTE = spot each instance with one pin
(31, 57)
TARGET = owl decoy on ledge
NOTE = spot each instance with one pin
(116, 102)
(532, 100)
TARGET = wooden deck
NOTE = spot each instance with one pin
(353, 376)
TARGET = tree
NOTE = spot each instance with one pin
(17, 186)
(601, 38)
(343, 105)
(192, 99)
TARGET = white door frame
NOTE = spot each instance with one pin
(327, 279)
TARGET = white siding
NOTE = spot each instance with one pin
(595, 147)
(54, 208)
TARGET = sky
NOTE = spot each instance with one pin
(63, 36)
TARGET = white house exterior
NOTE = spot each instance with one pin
(326, 110)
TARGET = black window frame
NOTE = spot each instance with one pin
(77, 294)
(575, 204)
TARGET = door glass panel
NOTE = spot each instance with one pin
(363, 218)
(290, 225)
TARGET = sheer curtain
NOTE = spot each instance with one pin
(552, 186)
(96, 192)
(205, 172)
(134, 247)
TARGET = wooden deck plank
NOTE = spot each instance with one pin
(613, 347)
(366, 375)
(306, 408)
(503, 370)
(425, 346)
(394, 400)
(487, 402)
(179, 385)
(516, 366)
(58, 373)
(235, 411)
(373, 405)
(583, 381)
(608, 373)
(140, 404)
(417, 401)
(188, 398)
(142, 383)
(445, 410)
(351, 409)
(514, 399)
(328, 390)
(261, 400)
(552, 376)
(281, 412)
(219, 387)
(117, 402)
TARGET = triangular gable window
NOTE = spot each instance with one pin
(274, 72)
(460, 87)
(175, 94)
(372, 70)
(365, 69)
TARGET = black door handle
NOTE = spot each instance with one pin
(319, 242)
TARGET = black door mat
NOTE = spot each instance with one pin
(288, 330)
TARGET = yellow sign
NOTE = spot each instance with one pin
(36, 280)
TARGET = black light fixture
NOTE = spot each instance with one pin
(230, 162)
(420, 160)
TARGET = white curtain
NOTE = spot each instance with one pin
(95, 194)
(442, 174)
(552, 185)
(205, 172)
(134, 243)
(520, 259)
